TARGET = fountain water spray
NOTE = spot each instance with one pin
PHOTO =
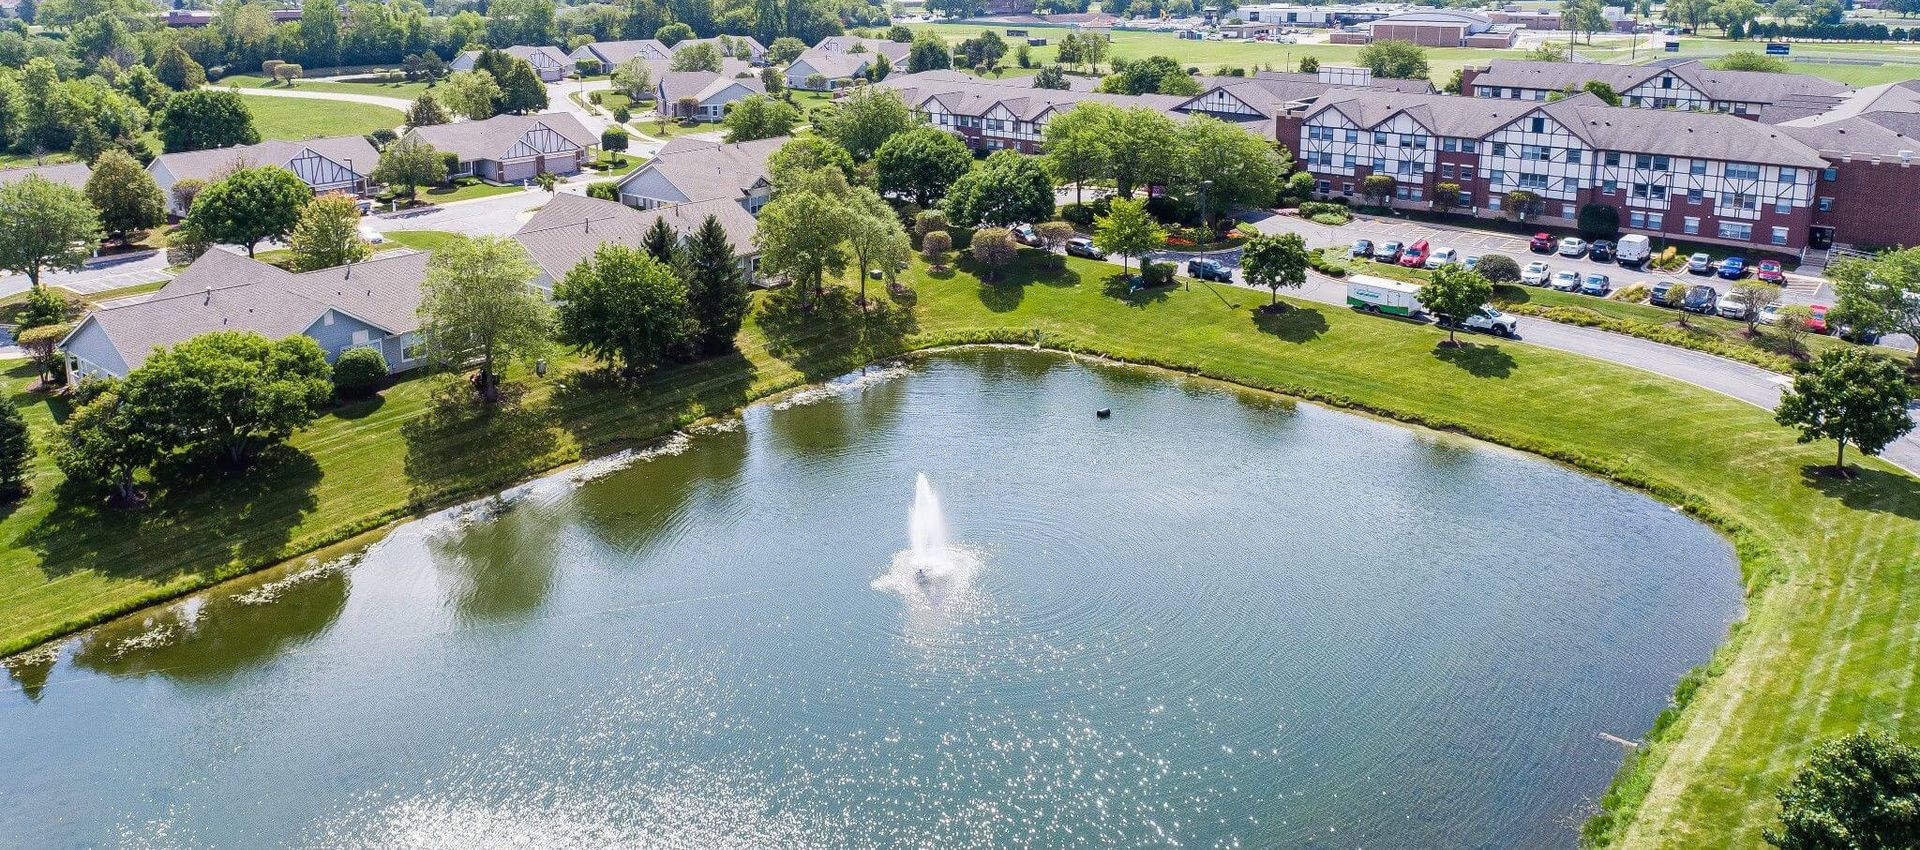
(926, 527)
(931, 567)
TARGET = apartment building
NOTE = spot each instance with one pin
(1701, 177)
(1688, 85)
(996, 114)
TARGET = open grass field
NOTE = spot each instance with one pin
(1827, 646)
(376, 85)
(1896, 62)
(421, 240)
(301, 118)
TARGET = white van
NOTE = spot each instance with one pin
(1379, 295)
(1633, 250)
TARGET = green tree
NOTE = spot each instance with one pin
(634, 79)
(125, 195)
(1522, 203)
(178, 70)
(1309, 65)
(1753, 296)
(876, 237)
(760, 117)
(104, 444)
(1498, 268)
(229, 393)
(1127, 230)
(660, 242)
(1598, 221)
(1849, 396)
(920, 164)
(1747, 60)
(615, 141)
(1244, 169)
(250, 205)
(472, 94)
(16, 452)
(1600, 89)
(476, 308)
(1446, 196)
(1274, 262)
(357, 372)
(1584, 16)
(802, 232)
(320, 33)
(44, 307)
(785, 49)
(1006, 189)
(1050, 77)
(42, 346)
(205, 118)
(45, 225)
(805, 154)
(1454, 293)
(1079, 144)
(699, 57)
(672, 34)
(1377, 188)
(624, 307)
(410, 164)
(1734, 15)
(1399, 60)
(716, 287)
(1859, 792)
(1881, 294)
(1152, 75)
(863, 121)
(1146, 149)
(521, 91)
(993, 248)
(328, 234)
(426, 111)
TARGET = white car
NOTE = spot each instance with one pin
(1770, 313)
(1573, 246)
(1566, 280)
(370, 235)
(1442, 257)
(1536, 274)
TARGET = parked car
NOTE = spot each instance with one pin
(1486, 320)
(1601, 252)
(1771, 271)
(1536, 274)
(1596, 284)
(1081, 246)
(1817, 324)
(1470, 263)
(1415, 255)
(1023, 233)
(1633, 251)
(1662, 294)
(1566, 280)
(1388, 252)
(1441, 257)
(1572, 246)
(1700, 299)
(1361, 248)
(1700, 263)
(1731, 307)
(1733, 268)
(1208, 269)
(1770, 314)
(1542, 243)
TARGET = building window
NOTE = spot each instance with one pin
(1695, 196)
(1636, 219)
(1698, 166)
(327, 319)
(1826, 205)
(413, 351)
(1642, 161)
(1608, 187)
(1352, 135)
(1830, 174)
(1538, 124)
(1737, 230)
(1379, 137)
(1346, 188)
(1655, 220)
(1573, 156)
(1789, 176)
(1466, 173)
(1779, 236)
(1446, 171)
(1566, 211)
(1690, 225)
(1325, 187)
(1613, 158)
(1379, 164)
(1493, 202)
(1466, 198)
(1469, 146)
(1781, 206)
(1743, 171)
(1449, 144)
(1499, 148)
(361, 337)
(1660, 162)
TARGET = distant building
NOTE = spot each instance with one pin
(337, 164)
(570, 228)
(710, 93)
(608, 55)
(1440, 28)
(1689, 84)
(73, 174)
(689, 171)
(549, 63)
(513, 148)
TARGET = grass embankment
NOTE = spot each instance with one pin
(305, 118)
(1827, 646)
(422, 240)
(374, 84)
(1767, 349)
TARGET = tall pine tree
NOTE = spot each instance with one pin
(716, 287)
(659, 241)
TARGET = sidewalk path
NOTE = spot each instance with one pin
(399, 103)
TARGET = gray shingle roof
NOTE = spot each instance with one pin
(492, 138)
(553, 56)
(73, 174)
(203, 165)
(833, 65)
(701, 85)
(961, 94)
(894, 50)
(226, 292)
(1730, 86)
(705, 171)
(570, 227)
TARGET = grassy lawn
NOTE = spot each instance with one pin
(377, 85)
(1827, 646)
(603, 163)
(1878, 63)
(465, 189)
(300, 118)
(283, 257)
(420, 240)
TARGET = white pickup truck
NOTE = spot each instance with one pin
(1486, 320)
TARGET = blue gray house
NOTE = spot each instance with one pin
(370, 304)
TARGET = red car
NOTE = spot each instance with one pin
(1416, 255)
(1542, 243)
(1770, 271)
(1817, 324)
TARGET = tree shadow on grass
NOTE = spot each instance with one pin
(606, 412)
(1292, 324)
(1480, 361)
(1120, 287)
(461, 446)
(361, 408)
(1866, 489)
(831, 334)
(1001, 297)
(204, 517)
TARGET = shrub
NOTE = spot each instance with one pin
(1319, 263)
(622, 115)
(1637, 293)
(358, 372)
(1598, 221)
(452, 161)
(1326, 212)
(1498, 268)
(16, 451)
(606, 190)
(595, 97)
(1331, 219)
(382, 137)
(1156, 274)
(1083, 214)
(935, 245)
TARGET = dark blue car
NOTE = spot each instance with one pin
(1733, 268)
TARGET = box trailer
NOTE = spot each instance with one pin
(1379, 295)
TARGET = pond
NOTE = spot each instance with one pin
(1214, 619)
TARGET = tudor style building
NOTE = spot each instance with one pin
(338, 164)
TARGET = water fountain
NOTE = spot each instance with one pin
(931, 567)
